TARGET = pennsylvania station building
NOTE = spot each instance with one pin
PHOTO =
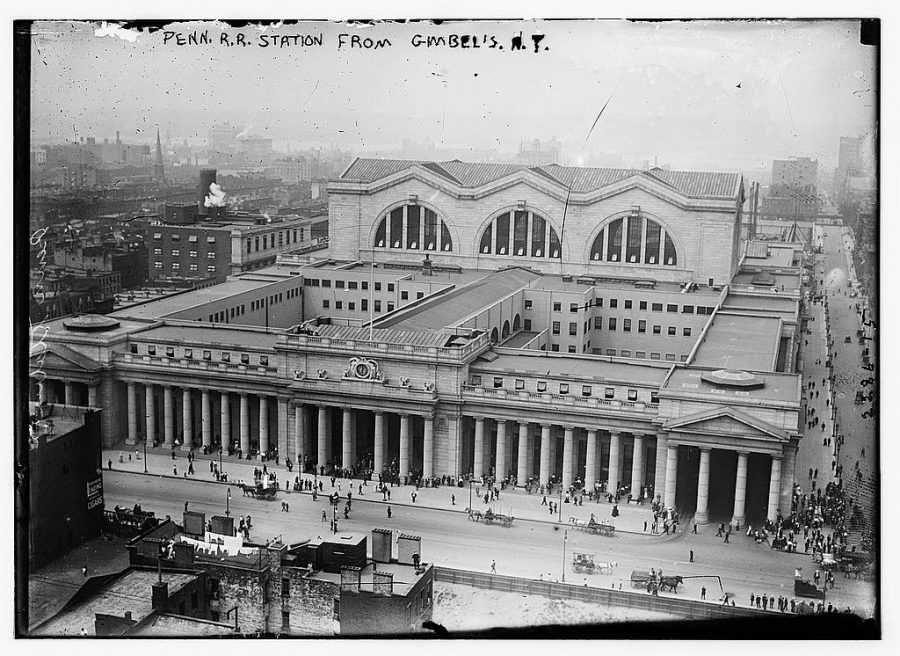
(550, 323)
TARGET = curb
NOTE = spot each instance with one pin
(400, 503)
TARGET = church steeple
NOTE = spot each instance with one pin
(158, 171)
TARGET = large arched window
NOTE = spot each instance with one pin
(520, 233)
(413, 227)
(634, 239)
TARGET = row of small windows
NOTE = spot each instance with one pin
(628, 304)
(176, 252)
(348, 284)
(174, 236)
(636, 240)
(268, 240)
(351, 305)
(188, 354)
(520, 233)
(176, 266)
(226, 315)
(413, 227)
(541, 387)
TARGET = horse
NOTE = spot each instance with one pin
(249, 490)
(670, 582)
(607, 567)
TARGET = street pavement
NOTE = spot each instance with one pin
(530, 549)
(517, 503)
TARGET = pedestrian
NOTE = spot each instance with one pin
(725, 541)
(695, 530)
(493, 567)
(703, 594)
(324, 516)
(185, 506)
(692, 556)
(452, 499)
(751, 599)
(175, 470)
(645, 526)
(389, 512)
(108, 464)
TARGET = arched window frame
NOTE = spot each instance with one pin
(492, 240)
(614, 250)
(425, 219)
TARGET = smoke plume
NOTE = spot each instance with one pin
(216, 196)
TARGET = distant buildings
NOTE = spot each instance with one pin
(65, 483)
(793, 192)
(537, 153)
(854, 178)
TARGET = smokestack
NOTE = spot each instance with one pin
(408, 547)
(350, 578)
(382, 545)
(118, 141)
(207, 177)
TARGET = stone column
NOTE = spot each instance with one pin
(740, 490)
(245, 425)
(522, 468)
(659, 474)
(702, 514)
(478, 463)
(132, 415)
(671, 475)
(379, 442)
(500, 463)
(299, 435)
(150, 407)
(281, 436)
(568, 448)
(186, 421)
(263, 424)
(787, 476)
(545, 454)
(168, 416)
(428, 447)
(92, 396)
(612, 485)
(590, 461)
(42, 391)
(205, 419)
(404, 445)
(346, 439)
(774, 488)
(322, 441)
(69, 393)
(637, 467)
(225, 440)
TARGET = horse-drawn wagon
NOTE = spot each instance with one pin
(258, 491)
(593, 527)
(490, 517)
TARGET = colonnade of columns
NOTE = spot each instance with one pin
(72, 392)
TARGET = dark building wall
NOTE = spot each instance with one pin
(246, 589)
(178, 239)
(366, 613)
(59, 471)
(309, 604)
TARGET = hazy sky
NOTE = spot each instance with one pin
(673, 86)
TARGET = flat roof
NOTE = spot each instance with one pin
(126, 326)
(186, 300)
(520, 339)
(791, 281)
(740, 341)
(552, 365)
(178, 625)
(219, 334)
(453, 307)
(405, 576)
(778, 386)
(129, 592)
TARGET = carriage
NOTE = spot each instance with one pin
(593, 527)
(490, 517)
(582, 562)
(641, 578)
(257, 491)
(804, 588)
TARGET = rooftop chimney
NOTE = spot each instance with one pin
(382, 547)
(407, 547)
(383, 583)
(350, 578)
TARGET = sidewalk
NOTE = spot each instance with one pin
(517, 503)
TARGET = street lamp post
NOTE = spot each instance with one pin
(228, 502)
(565, 539)
(145, 455)
(470, 494)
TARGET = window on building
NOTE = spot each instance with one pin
(571, 348)
(672, 307)
(175, 237)
(256, 244)
(657, 329)
(285, 619)
(598, 301)
(625, 353)
(573, 307)
(285, 588)
(390, 306)
(656, 307)
(207, 355)
(611, 324)
(654, 356)
(176, 266)
(528, 304)
(210, 240)
(527, 325)
(404, 295)
(326, 283)
(378, 306)
(133, 348)
(555, 328)
(338, 305)
(176, 252)
(598, 323)
(573, 328)
(420, 295)
(654, 397)
(542, 386)
(326, 303)
(642, 326)
(377, 286)
(670, 357)
(170, 351)
(642, 305)
(351, 305)
(226, 356)
(632, 395)
(610, 351)
(609, 392)
(626, 325)
(520, 384)
(157, 265)
(498, 382)
(687, 309)
(683, 358)
(193, 267)
(211, 268)
(476, 380)
(613, 302)
(364, 285)
(157, 251)
(157, 235)
(672, 330)
(352, 284)
(627, 304)
(686, 332)
(364, 304)
(585, 390)
(188, 354)
(210, 255)
(564, 388)
(390, 287)
(640, 354)
(557, 307)
(339, 284)
(554, 348)
(245, 358)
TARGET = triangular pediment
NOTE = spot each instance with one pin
(56, 356)
(727, 421)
